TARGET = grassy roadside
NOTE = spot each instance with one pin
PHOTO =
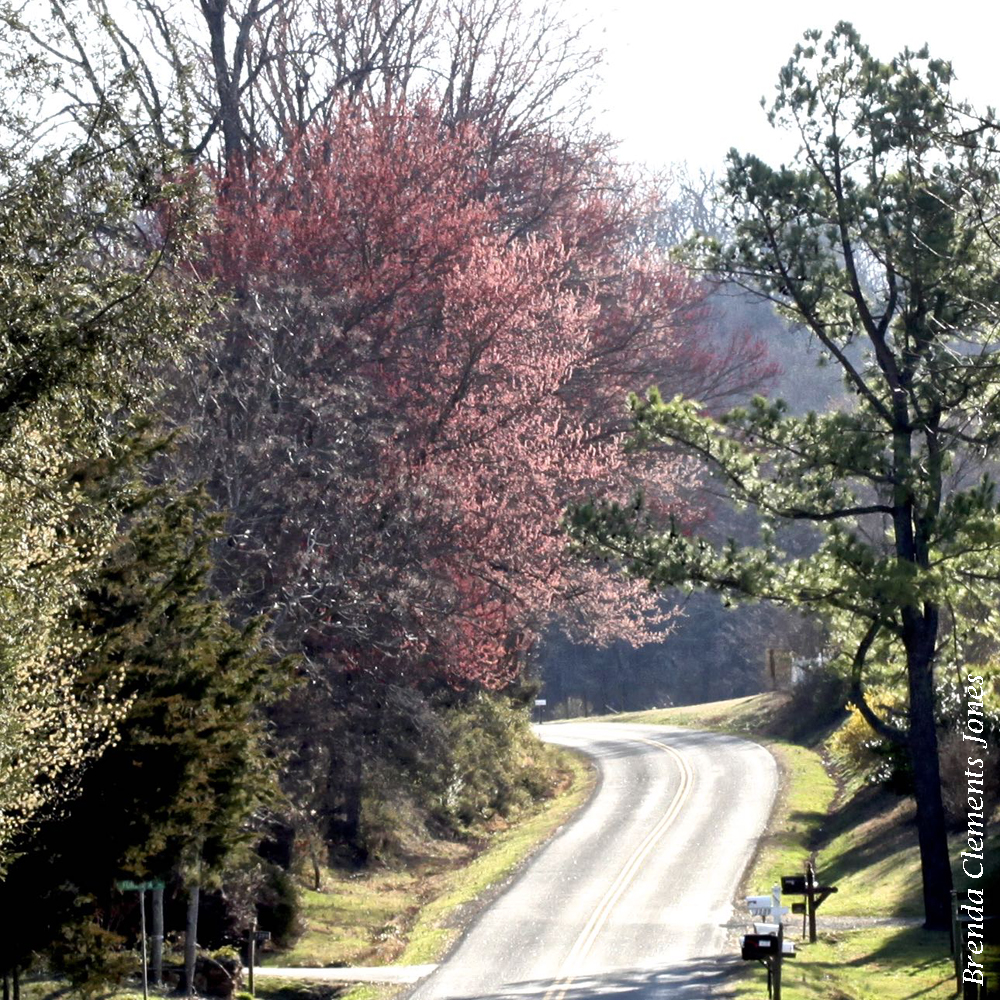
(414, 915)
(440, 921)
(861, 839)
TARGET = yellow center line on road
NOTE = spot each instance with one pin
(600, 915)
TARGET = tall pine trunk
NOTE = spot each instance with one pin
(920, 635)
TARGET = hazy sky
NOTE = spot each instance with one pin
(683, 78)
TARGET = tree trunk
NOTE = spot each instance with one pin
(923, 745)
(156, 964)
(214, 12)
(191, 939)
(346, 784)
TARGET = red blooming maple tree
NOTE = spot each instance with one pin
(450, 340)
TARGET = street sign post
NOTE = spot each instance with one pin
(128, 885)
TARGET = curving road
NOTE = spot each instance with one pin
(632, 897)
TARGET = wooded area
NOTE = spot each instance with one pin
(315, 318)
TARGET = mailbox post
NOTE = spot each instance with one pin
(816, 894)
(767, 906)
(767, 946)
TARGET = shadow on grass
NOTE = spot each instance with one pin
(288, 990)
(884, 827)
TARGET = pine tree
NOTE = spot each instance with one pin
(878, 243)
(176, 796)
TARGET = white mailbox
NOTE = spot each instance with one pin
(767, 906)
(765, 928)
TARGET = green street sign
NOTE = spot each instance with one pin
(127, 885)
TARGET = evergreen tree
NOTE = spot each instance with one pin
(177, 793)
(90, 303)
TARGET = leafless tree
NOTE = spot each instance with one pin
(228, 78)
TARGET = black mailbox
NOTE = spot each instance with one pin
(759, 946)
(799, 908)
(793, 885)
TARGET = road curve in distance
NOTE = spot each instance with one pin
(632, 896)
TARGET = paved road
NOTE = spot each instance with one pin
(632, 896)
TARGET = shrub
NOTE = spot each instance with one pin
(92, 957)
(816, 701)
(497, 767)
(278, 906)
(863, 754)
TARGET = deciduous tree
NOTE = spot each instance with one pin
(421, 364)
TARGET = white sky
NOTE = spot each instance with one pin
(683, 78)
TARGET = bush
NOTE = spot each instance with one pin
(497, 766)
(278, 906)
(219, 973)
(92, 957)
(816, 701)
(863, 754)
(453, 763)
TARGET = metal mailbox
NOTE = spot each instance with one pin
(756, 946)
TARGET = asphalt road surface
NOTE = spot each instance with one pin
(631, 899)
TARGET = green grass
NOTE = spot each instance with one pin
(804, 800)
(871, 854)
(408, 916)
(296, 989)
(752, 715)
(353, 919)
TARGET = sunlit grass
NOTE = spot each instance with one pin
(351, 918)
(804, 800)
(748, 715)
